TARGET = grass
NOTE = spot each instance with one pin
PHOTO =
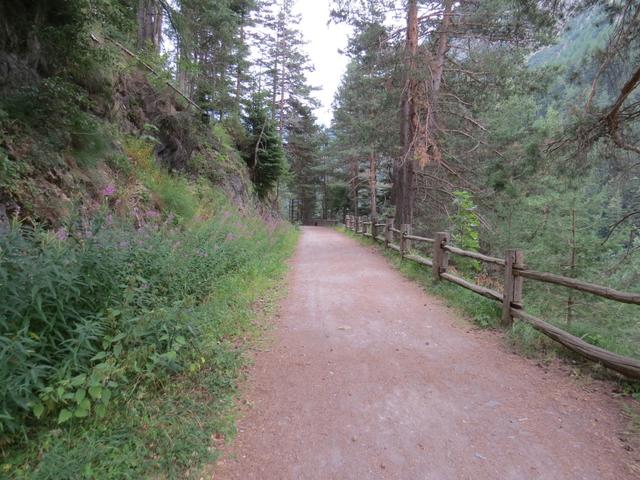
(123, 357)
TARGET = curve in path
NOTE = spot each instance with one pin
(368, 377)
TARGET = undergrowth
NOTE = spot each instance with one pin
(121, 338)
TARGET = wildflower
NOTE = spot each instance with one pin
(109, 219)
(152, 214)
(61, 234)
(108, 191)
(229, 237)
(226, 214)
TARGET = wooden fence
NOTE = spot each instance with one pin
(515, 271)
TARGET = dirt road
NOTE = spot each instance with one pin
(368, 377)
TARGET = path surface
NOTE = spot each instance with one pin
(368, 377)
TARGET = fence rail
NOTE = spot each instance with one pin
(515, 272)
(475, 255)
(419, 239)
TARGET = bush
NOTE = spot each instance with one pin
(88, 312)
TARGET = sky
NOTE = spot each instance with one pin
(324, 41)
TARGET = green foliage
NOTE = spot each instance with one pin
(304, 146)
(263, 150)
(10, 172)
(33, 107)
(466, 225)
(56, 30)
(174, 194)
(117, 318)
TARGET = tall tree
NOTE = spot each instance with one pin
(283, 64)
(150, 19)
(365, 103)
(404, 178)
(263, 149)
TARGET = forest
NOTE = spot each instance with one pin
(156, 157)
(516, 128)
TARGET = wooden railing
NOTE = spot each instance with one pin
(515, 271)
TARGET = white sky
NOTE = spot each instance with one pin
(324, 42)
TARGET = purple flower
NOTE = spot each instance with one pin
(152, 214)
(108, 191)
(109, 220)
(61, 234)
(226, 215)
(229, 237)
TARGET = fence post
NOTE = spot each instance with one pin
(440, 255)
(374, 229)
(388, 234)
(512, 296)
(405, 245)
(364, 227)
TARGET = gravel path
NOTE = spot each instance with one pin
(369, 377)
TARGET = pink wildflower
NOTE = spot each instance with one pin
(61, 234)
(108, 191)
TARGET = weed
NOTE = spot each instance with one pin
(123, 358)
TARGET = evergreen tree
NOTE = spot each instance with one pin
(303, 147)
(263, 150)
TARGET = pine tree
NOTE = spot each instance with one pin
(263, 151)
(303, 147)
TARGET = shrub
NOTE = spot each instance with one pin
(90, 310)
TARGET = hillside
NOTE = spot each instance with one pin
(136, 257)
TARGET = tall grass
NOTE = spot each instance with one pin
(119, 339)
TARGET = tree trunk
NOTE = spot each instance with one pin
(275, 75)
(239, 72)
(404, 191)
(325, 204)
(373, 184)
(354, 185)
(572, 266)
(149, 25)
(431, 151)
(281, 103)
